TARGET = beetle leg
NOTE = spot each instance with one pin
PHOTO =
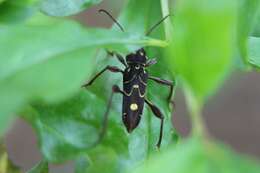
(150, 62)
(118, 56)
(115, 89)
(164, 82)
(157, 112)
(113, 69)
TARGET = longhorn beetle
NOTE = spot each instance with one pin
(134, 86)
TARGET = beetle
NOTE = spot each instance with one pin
(135, 79)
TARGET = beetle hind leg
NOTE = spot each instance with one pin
(157, 112)
(115, 89)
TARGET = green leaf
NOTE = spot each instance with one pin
(246, 21)
(198, 157)
(82, 164)
(98, 160)
(67, 129)
(140, 23)
(256, 31)
(66, 7)
(136, 23)
(51, 62)
(41, 167)
(202, 47)
(254, 51)
(12, 12)
(1, 1)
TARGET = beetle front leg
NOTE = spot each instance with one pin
(118, 56)
(113, 69)
(115, 89)
(157, 112)
(164, 82)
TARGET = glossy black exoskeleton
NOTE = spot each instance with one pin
(135, 79)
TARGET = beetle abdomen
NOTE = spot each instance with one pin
(134, 87)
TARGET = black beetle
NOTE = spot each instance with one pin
(134, 86)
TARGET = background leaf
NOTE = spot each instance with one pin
(254, 51)
(256, 30)
(201, 52)
(136, 23)
(246, 21)
(14, 12)
(66, 7)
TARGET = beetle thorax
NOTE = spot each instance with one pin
(139, 57)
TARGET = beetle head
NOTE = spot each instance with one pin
(139, 57)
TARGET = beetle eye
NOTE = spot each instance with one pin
(137, 67)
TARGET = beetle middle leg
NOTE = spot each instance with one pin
(157, 112)
(164, 82)
(113, 69)
(115, 89)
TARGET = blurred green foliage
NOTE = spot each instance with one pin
(203, 42)
(13, 11)
(198, 156)
(247, 18)
(254, 52)
(45, 60)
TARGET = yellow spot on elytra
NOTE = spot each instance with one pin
(136, 86)
(133, 107)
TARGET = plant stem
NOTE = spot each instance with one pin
(194, 105)
(167, 23)
(3, 158)
(157, 43)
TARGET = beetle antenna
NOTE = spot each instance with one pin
(114, 20)
(157, 24)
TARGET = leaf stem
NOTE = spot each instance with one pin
(3, 158)
(167, 23)
(195, 106)
(149, 42)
